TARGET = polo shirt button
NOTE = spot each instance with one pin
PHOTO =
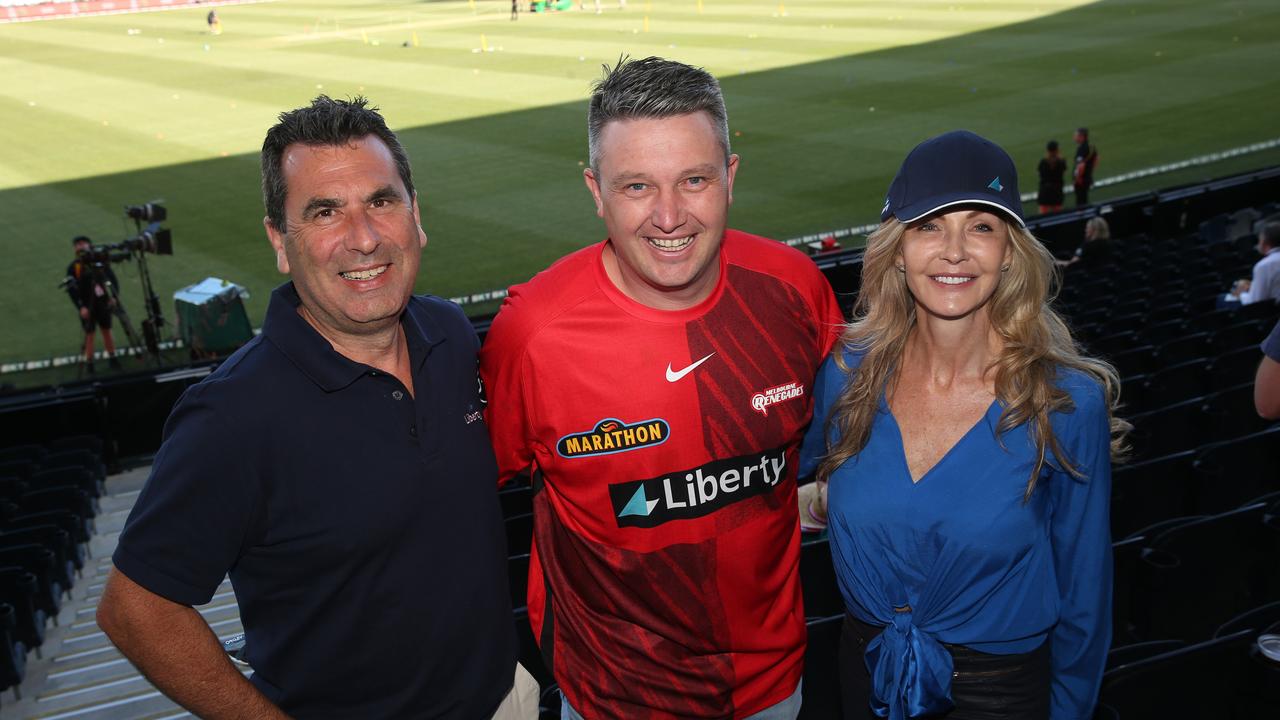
(413, 430)
(397, 394)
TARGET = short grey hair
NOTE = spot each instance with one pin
(653, 88)
(1271, 233)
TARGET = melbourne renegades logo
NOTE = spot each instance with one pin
(761, 401)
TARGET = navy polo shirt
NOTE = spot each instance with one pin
(360, 524)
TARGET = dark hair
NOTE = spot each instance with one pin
(1052, 146)
(1271, 233)
(1084, 131)
(325, 122)
(653, 88)
(81, 238)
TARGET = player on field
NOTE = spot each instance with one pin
(656, 385)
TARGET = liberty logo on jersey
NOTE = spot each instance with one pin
(694, 493)
(614, 436)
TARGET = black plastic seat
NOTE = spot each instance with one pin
(1184, 348)
(23, 453)
(13, 652)
(63, 476)
(821, 673)
(1125, 554)
(1166, 311)
(92, 443)
(518, 579)
(1249, 333)
(1144, 493)
(1183, 683)
(1171, 429)
(1234, 368)
(1135, 361)
(818, 580)
(1114, 343)
(1178, 382)
(519, 534)
(51, 538)
(1234, 414)
(71, 499)
(1161, 333)
(39, 561)
(1199, 574)
(18, 588)
(1235, 471)
(73, 524)
(516, 500)
(1132, 322)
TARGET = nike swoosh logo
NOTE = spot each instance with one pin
(675, 375)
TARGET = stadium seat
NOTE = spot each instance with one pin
(19, 588)
(1147, 492)
(1258, 619)
(1233, 413)
(13, 652)
(40, 562)
(71, 499)
(1120, 655)
(92, 443)
(1160, 333)
(1200, 573)
(1126, 555)
(1183, 348)
(518, 578)
(1167, 310)
(1135, 361)
(1113, 343)
(62, 476)
(1248, 333)
(1255, 688)
(519, 534)
(51, 538)
(1234, 368)
(1134, 393)
(818, 580)
(1179, 382)
(1171, 429)
(72, 523)
(1234, 471)
(517, 500)
(1130, 323)
(821, 669)
(23, 453)
(1183, 683)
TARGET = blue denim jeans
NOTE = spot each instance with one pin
(788, 709)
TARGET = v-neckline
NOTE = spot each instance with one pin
(902, 445)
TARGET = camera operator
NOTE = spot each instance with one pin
(91, 285)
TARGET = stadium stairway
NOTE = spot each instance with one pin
(81, 675)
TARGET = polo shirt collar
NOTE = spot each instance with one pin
(315, 357)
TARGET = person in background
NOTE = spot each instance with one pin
(1266, 384)
(966, 443)
(1086, 161)
(1051, 169)
(1095, 251)
(1265, 284)
(91, 284)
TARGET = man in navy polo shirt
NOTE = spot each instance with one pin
(337, 467)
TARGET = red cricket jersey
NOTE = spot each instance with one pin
(664, 578)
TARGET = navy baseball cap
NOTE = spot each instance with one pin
(956, 168)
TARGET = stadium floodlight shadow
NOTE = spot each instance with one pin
(1182, 683)
(1198, 574)
(821, 669)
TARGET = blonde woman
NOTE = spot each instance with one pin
(966, 445)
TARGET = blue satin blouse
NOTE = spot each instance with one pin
(964, 560)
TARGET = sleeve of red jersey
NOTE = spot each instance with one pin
(502, 361)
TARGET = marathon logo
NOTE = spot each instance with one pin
(614, 436)
(761, 401)
(695, 493)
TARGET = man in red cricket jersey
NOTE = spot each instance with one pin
(656, 385)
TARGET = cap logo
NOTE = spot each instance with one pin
(995, 185)
(885, 209)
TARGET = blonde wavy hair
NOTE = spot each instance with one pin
(1036, 343)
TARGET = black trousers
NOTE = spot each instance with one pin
(984, 686)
